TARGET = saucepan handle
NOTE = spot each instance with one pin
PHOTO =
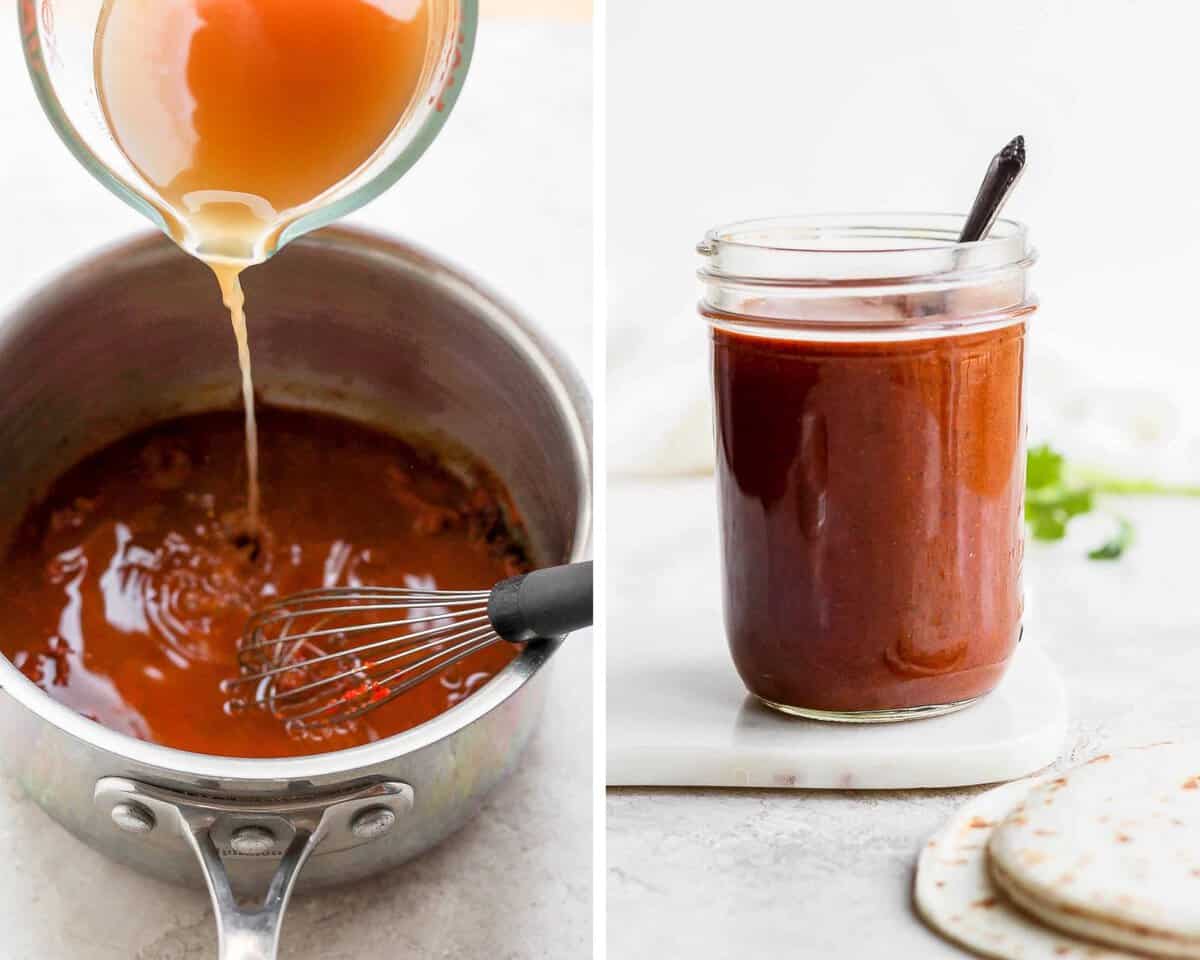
(250, 934)
(219, 829)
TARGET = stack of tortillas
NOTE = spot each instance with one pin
(1101, 861)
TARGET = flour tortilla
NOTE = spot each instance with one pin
(1110, 851)
(955, 894)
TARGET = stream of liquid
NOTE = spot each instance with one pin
(242, 114)
(229, 277)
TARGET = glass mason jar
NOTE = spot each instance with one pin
(868, 375)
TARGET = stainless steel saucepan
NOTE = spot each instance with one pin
(343, 321)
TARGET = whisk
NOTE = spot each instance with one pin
(326, 657)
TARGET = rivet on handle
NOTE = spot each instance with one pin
(252, 841)
(373, 822)
(133, 818)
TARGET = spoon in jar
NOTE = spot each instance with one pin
(1002, 175)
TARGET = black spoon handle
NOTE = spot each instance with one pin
(545, 603)
(1002, 175)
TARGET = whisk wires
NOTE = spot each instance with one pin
(328, 656)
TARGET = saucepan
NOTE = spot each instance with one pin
(342, 321)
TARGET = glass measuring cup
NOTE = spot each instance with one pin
(58, 37)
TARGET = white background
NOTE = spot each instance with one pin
(722, 111)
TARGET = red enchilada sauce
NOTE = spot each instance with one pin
(127, 588)
(870, 498)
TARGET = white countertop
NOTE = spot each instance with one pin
(506, 193)
(716, 874)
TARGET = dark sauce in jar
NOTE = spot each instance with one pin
(871, 512)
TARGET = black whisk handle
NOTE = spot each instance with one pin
(545, 603)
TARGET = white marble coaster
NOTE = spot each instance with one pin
(678, 714)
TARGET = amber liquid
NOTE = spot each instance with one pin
(125, 595)
(241, 114)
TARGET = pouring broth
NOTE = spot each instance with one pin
(240, 114)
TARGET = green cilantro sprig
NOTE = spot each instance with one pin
(1055, 493)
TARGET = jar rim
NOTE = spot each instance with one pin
(830, 248)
